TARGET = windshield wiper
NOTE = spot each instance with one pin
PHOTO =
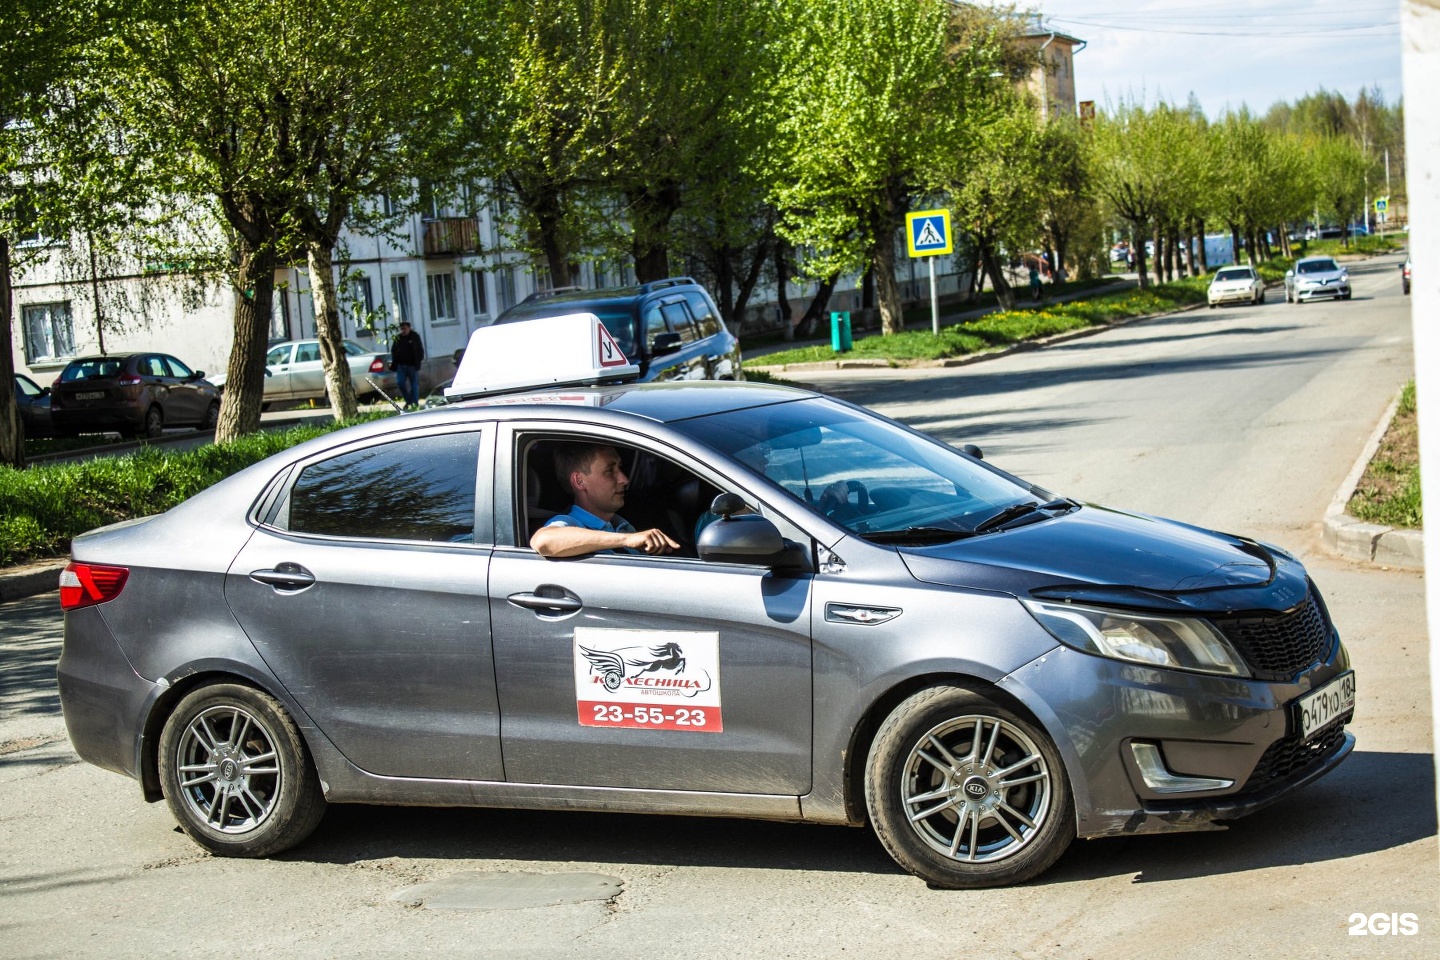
(917, 535)
(1017, 510)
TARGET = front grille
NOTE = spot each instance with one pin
(1291, 755)
(1278, 646)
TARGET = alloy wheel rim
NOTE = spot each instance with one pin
(229, 769)
(976, 789)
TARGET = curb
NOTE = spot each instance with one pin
(1370, 542)
(17, 583)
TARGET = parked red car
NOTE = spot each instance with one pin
(134, 394)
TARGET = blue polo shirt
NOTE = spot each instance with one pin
(580, 517)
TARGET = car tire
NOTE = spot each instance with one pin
(212, 416)
(251, 798)
(265, 406)
(154, 424)
(940, 792)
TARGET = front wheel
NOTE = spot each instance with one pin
(963, 792)
(236, 774)
(212, 416)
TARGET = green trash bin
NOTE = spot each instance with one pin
(840, 340)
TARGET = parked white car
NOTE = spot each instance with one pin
(294, 371)
(1236, 285)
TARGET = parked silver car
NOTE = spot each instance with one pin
(1235, 285)
(1315, 277)
(294, 371)
(860, 625)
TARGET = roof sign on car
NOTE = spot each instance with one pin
(544, 352)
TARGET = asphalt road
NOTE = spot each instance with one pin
(1246, 419)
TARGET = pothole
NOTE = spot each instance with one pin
(481, 890)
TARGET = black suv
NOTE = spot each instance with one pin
(669, 328)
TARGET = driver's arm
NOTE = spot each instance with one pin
(558, 540)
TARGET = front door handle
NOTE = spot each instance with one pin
(285, 577)
(549, 598)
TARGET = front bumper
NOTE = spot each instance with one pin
(1333, 291)
(1240, 734)
(1246, 295)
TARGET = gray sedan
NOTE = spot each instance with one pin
(860, 625)
(294, 371)
(1314, 278)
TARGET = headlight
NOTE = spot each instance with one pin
(1180, 643)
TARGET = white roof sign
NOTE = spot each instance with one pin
(542, 352)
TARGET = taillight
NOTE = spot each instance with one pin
(377, 365)
(130, 379)
(86, 584)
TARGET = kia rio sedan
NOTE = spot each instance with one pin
(860, 625)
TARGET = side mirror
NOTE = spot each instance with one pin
(748, 538)
(664, 343)
(973, 451)
(1289, 273)
(197, 375)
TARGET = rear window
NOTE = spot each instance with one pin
(101, 368)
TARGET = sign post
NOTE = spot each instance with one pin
(927, 234)
(1382, 207)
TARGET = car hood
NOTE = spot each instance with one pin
(1099, 555)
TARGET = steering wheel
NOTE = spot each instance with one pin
(836, 502)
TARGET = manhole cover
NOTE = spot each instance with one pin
(479, 890)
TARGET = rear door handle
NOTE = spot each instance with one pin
(549, 598)
(285, 577)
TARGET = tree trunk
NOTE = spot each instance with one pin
(245, 372)
(650, 212)
(748, 282)
(12, 433)
(1234, 243)
(1159, 241)
(1204, 254)
(810, 322)
(977, 274)
(887, 291)
(1004, 294)
(327, 329)
(782, 281)
(1137, 245)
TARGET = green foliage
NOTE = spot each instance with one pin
(44, 507)
(1389, 492)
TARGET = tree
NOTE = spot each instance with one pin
(1340, 169)
(1132, 169)
(876, 98)
(279, 138)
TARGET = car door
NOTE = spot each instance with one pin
(648, 672)
(364, 591)
(277, 362)
(188, 399)
(307, 373)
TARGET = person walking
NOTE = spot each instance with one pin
(407, 352)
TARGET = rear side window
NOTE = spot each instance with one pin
(307, 353)
(101, 368)
(416, 489)
(153, 367)
(705, 318)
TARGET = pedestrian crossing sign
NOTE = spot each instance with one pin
(927, 233)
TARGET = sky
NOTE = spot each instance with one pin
(1229, 53)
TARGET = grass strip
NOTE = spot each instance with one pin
(1389, 492)
(42, 508)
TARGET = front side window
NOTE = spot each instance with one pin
(278, 356)
(679, 319)
(400, 299)
(177, 369)
(416, 489)
(49, 334)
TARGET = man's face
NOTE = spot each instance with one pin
(602, 489)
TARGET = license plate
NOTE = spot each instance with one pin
(90, 396)
(1319, 707)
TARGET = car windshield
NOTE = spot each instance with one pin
(619, 321)
(1316, 266)
(868, 474)
(1237, 273)
(98, 368)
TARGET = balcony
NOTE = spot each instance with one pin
(451, 236)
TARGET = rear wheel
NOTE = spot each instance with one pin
(964, 792)
(154, 422)
(236, 774)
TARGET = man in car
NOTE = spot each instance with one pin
(597, 484)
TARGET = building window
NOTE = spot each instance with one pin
(49, 334)
(479, 304)
(279, 315)
(505, 287)
(359, 304)
(400, 299)
(441, 287)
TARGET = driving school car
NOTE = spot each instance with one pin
(861, 625)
